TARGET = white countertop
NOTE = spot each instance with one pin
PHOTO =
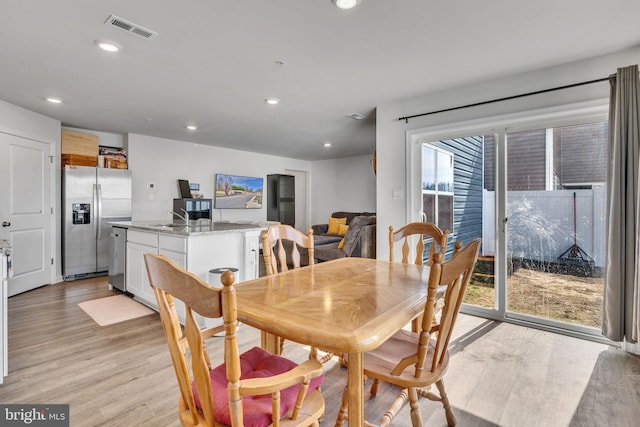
(199, 228)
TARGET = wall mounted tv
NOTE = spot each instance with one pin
(238, 192)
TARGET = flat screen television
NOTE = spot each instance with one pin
(237, 192)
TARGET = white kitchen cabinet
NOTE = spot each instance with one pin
(197, 253)
(177, 257)
(138, 244)
(174, 248)
(137, 279)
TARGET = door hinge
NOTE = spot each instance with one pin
(51, 159)
(51, 261)
(51, 210)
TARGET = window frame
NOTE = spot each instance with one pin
(437, 192)
(500, 125)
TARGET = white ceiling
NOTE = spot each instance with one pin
(214, 62)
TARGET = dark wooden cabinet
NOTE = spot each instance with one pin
(281, 206)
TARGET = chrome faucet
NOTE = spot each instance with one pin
(185, 218)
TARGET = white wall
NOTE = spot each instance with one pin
(162, 162)
(25, 123)
(347, 184)
(391, 133)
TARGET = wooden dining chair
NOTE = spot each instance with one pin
(419, 231)
(416, 361)
(438, 241)
(280, 250)
(254, 388)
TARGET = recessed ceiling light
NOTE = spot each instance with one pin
(345, 4)
(272, 101)
(326, 145)
(53, 100)
(108, 45)
(192, 127)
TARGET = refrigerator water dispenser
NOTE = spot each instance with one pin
(81, 213)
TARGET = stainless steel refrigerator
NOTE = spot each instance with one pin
(92, 197)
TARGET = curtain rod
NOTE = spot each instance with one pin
(406, 118)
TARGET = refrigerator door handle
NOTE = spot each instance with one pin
(94, 198)
(99, 210)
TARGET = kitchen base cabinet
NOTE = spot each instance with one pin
(197, 254)
(138, 244)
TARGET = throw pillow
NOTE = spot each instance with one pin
(341, 244)
(334, 224)
(342, 229)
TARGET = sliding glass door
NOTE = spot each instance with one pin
(556, 193)
(534, 192)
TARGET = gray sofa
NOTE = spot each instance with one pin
(359, 241)
(321, 229)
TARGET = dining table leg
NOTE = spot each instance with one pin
(270, 342)
(355, 385)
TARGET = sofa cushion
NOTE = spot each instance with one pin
(325, 240)
(328, 252)
(255, 363)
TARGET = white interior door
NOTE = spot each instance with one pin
(26, 210)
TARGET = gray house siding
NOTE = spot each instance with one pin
(489, 162)
(583, 153)
(525, 161)
(526, 152)
(468, 178)
(579, 157)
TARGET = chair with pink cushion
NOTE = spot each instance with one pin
(255, 388)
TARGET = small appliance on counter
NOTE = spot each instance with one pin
(185, 188)
(196, 208)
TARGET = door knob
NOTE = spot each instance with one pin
(6, 224)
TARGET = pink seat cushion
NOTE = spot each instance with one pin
(255, 363)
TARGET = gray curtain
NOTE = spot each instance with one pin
(621, 321)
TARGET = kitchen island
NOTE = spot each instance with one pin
(198, 247)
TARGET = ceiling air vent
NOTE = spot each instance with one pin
(130, 27)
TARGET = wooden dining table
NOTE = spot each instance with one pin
(348, 305)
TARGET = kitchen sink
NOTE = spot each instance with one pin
(169, 225)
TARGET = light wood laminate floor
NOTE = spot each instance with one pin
(121, 375)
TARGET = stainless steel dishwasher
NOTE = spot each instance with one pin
(117, 257)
